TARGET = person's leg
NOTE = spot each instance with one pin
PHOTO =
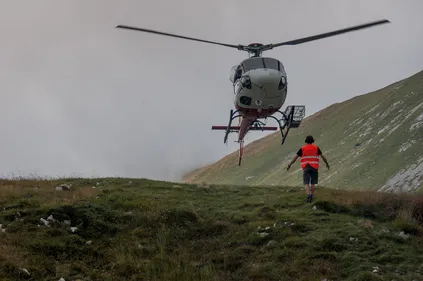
(314, 181)
(308, 197)
(306, 181)
(312, 186)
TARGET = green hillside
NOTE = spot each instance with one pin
(137, 229)
(371, 141)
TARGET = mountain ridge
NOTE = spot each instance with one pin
(371, 144)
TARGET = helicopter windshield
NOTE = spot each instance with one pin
(256, 63)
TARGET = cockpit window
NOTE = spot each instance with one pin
(271, 63)
(281, 67)
(254, 63)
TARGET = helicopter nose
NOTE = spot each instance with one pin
(267, 78)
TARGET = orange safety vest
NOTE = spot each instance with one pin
(310, 156)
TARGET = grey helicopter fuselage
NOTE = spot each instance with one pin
(260, 86)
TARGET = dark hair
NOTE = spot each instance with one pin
(309, 139)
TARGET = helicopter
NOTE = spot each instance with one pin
(260, 86)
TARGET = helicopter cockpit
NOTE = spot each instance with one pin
(262, 62)
(255, 63)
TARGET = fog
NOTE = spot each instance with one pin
(82, 98)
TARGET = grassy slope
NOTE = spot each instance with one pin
(361, 138)
(146, 230)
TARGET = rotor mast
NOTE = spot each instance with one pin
(254, 49)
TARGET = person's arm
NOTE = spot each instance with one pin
(292, 162)
(325, 160)
(323, 157)
(299, 153)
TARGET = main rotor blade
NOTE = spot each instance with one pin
(177, 36)
(328, 34)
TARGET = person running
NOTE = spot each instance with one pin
(309, 154)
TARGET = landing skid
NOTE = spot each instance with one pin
(291, 118)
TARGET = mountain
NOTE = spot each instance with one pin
(371, 141)
(138, 229)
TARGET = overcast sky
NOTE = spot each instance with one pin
(80, 97)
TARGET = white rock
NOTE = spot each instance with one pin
(263, 234)
(271, 243)
(62, 279)
(314, 208)
(73, 229)
(45, 222)
(25, 271)
(63, 186)
(404, 235)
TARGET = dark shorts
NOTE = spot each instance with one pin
(310, 175)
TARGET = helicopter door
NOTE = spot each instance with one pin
(235, 73)
(232, 73)
(238, 73)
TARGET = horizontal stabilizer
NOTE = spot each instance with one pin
(251, 129)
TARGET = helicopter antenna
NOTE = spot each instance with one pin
(256, 49)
